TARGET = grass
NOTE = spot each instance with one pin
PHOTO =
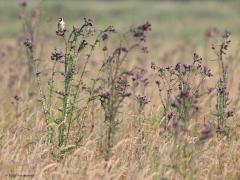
(188, 18)
(103, 107)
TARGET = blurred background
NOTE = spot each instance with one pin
(171, 20)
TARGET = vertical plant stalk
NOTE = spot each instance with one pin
(222, 94)
(43, 100)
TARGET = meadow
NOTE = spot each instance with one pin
(121, 90)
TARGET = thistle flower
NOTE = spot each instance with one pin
(104, 96)
(207, 72)
(104, 48)
(88, 21)
(225, 42)
(230, 114)
(28, 43)
(123, 86)
(110, 29)
(124, 49)
(61, 33)
(141, 31)
(181, 68)
(104, 36)
(206, 132)
(211, 32)
(197, 58)
(22, 3)
(153, 66)
(142, 101)
(57, 55)
(17, 98)
(145, 49)
(35, 13)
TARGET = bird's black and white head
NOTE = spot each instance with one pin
(60, 19)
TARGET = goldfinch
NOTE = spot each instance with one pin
(61, 25)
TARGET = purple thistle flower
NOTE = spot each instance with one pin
(61, 32)
(153, 66)
(17, 98)
(226, 34)
(110, 29)
(197, 58)
(36, 13)
(88, 21)
(142, 101)
(230, 114)
(28, 43)
(145, 27)
(141, 31)
(104, 36)
(145, 49)
(104, 48)
(123, 86)
(57, 55)
(22, 3)
(207, 72)
(124, 49)
(211, 32)
(206, 132)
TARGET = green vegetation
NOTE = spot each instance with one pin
(170, 19)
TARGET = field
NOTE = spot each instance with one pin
(121, 90)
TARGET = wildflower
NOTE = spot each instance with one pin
(145, 49)
(124, 49)
(23, 3)
(17, 98)
(28, 43)
(197, 58)
(104, 36)
(157, 82)
(206, 132)
(140, 31)
(226, 34)
(35, 13)
(180, 68)
(142, 100)
(104, 97)
(110, 29)
(185, 91)
(91, 30)
(123, 86)
(88, 21)
(230, 114)
(145, 27)
(175, 102)
(104, 48)
(211, 32)
(225, 43)
(153, 66)
(207, 72)
(57, 55)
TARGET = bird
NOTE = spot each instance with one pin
(61, 25)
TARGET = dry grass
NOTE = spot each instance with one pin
(144, 154)
(142, 148)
